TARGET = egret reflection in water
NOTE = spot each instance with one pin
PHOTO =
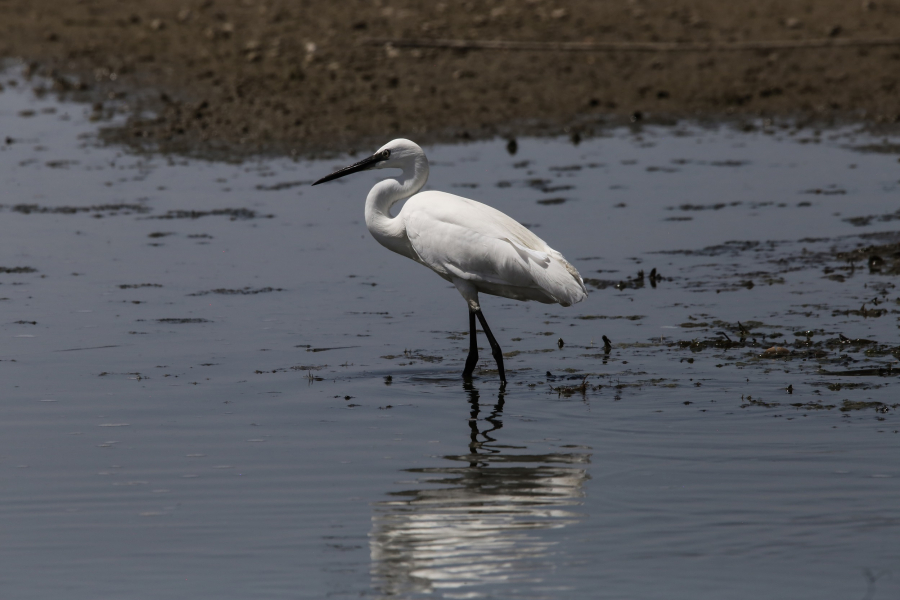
(478, 520)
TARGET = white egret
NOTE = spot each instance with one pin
(473, 246)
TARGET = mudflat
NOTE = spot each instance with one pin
(270, 75)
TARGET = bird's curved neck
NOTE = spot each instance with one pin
(389, 231)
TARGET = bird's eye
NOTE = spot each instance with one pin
(385, 154)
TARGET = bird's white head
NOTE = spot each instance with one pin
(396, 154)
(400, 153)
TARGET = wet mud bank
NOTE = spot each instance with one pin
(237, 77)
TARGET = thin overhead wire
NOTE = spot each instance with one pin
(458, 44)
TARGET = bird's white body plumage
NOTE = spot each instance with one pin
(466, 241)
(470, 244)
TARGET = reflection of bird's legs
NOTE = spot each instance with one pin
(474, 444)
(473, 348)
(494, 418)
(495, 347)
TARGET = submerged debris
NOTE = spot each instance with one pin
(636, 282)
(569, 390)
(775, 352)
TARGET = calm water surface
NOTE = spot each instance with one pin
(216, 385)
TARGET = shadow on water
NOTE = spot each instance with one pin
(477, 520)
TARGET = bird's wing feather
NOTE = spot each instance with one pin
(464, 239)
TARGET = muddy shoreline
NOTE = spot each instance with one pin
(251, 76)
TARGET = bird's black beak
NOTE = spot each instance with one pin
(364, 164)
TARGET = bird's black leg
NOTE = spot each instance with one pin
(495, 347)
(473, 348)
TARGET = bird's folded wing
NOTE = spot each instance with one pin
(461, 244)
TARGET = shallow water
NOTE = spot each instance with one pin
(217, 385)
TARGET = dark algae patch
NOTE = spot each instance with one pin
(246, 291)
(284, 185)
(879, 407)
(863, 221)
(182, 321)
(604, 317)
(413, 356)
(97, 209)
(812, 406)
(233, 214)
